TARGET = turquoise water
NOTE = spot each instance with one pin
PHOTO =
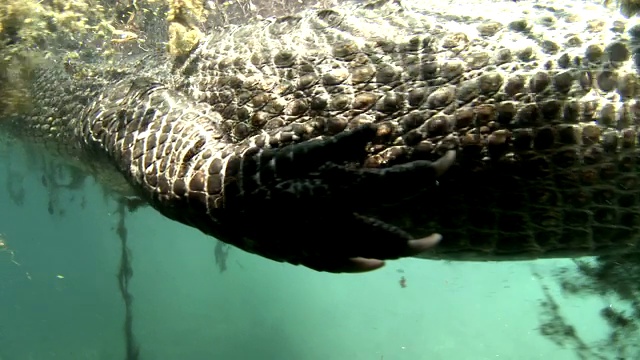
(62, 301)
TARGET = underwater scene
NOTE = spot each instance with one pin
(310, 179)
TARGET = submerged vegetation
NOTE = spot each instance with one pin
(614, 279)
(27, 25)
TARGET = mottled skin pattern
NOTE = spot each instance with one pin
(538, 111)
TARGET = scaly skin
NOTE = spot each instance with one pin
(318, 138)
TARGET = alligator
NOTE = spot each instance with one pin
(340, 137)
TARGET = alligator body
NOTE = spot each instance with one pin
(314, 134)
